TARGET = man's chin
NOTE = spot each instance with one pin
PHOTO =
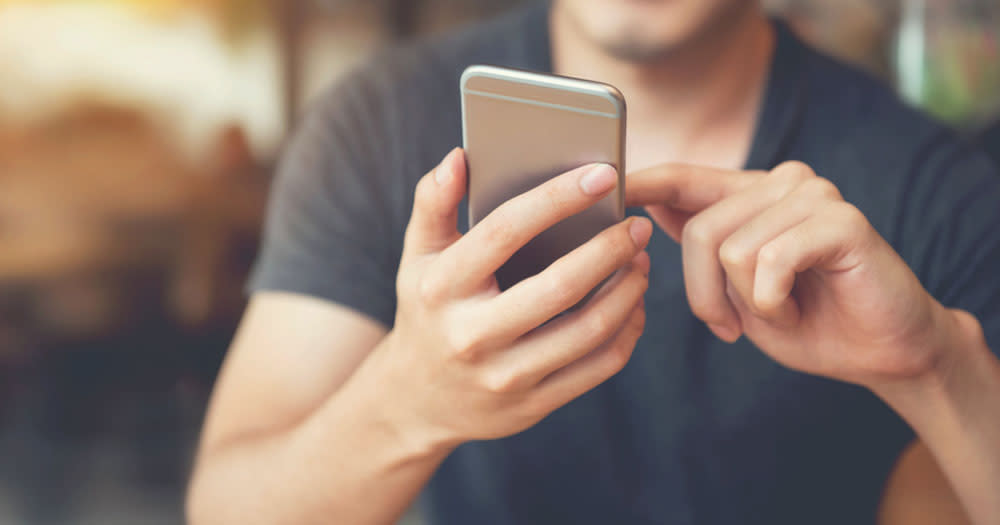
(638, 52)
(634, 46)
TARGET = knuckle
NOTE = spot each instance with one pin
(550, 196)
(849, 215)
(500, 233)
(599, 326)
(501, 382)
(701, 309)
(534, 407)
(794, 169)
(708, 310)
(404, 283)
(822, 187)
(407, 294)
(733, 255)
(431, 291)
(766, 305)
(769, 255)
(466, 343)
(618, 356)
(970, 325)
(558, 289)
(640, 319)
(553, 194)
(697, 232)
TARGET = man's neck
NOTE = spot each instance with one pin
(699, 104)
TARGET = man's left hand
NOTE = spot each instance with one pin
(781, 258)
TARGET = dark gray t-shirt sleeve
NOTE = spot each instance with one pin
(328, 232)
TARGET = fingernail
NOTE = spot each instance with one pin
(598, 179)
(443, 173)
(640, 230)
(725, 333)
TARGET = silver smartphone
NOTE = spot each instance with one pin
(522, 128)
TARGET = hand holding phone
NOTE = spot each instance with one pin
(465, 361)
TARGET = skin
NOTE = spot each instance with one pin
(695, 100)
(918, 492)
(462, 362)
(782, 259)
(653, 33)
(321, 414)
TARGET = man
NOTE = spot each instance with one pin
(785, 331)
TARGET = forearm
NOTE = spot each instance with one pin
(346, 464)
(955, 411)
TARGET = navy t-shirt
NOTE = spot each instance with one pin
(692, 430)
(990, 140)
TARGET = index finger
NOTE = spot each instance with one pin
(480, 252)
(684, 186)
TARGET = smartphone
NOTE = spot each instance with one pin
(522, 128)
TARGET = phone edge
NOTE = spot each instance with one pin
(588, 87)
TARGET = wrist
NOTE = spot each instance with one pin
(958, 358)
(952, 409)
(373, 396)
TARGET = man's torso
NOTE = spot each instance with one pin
(693, 430)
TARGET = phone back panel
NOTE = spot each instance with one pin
(520, 130)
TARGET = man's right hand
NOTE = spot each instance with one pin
(319, 407)
(465, 361)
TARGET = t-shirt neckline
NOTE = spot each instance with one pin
(780, 114)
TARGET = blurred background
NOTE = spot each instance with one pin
(137, 141)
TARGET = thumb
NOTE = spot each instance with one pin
(434, 223)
